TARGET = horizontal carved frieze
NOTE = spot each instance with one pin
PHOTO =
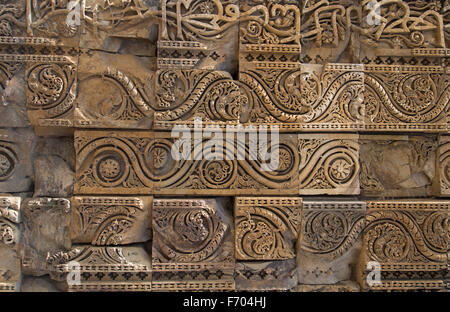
(150, 163)
(87, 268)
(406, 243)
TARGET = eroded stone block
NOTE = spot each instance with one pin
(400, 166)
(46, 231)
(267, 228)
(10, 270)
(347, 286)
(442, 181)
(16, 170)
(12, 96)
(192, 245)
(54, 167)
(109, 221)
(406, 243)
(330, 241)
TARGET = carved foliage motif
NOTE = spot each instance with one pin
(10, 272)
(311, 97)
(192, 246)
(144, 162)
(330, 228)
(393, 98)
(51, 92)
(267, 228)
(106, 221)
(409, 240)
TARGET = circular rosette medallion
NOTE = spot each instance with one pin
(110, 167)
(7, 163)
(340, 169)
(159, 160)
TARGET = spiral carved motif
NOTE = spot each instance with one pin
(388, 242)
(188, 235)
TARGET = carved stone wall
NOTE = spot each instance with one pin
(217, 145)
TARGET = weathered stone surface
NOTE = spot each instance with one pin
(87, 268)
(267, 228)
(442, 181)
(109, 221)
(38, 284)
(347, 286)
(16, 170)
(408, 242)
(397, 166)
(10, 270)
(330, 241)
(266, 276)
(12, 97)
(54, 167)
(192, 245)
(46, 231)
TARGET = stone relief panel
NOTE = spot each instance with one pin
(192, 245)
(409, 239)
(10, 265)
(329, 164)
(266, 227)
(124, 100)
(330, 241)
(110, 221)
(406, 98)
(134, 99)
(305, 97)
(196, 34)
(105, 269)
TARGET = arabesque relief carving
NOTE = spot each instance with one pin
(224, 145)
